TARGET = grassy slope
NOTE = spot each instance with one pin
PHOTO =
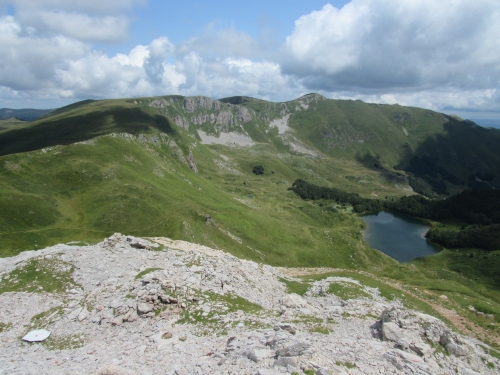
(389, 135)
(137, 185)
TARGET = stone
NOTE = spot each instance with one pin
(116, 303)
(294, 301)
(260, 342)
(144, 308)
(258, 354)
(37, 335)
(267, 371)
(117, 321)
(451, 343)
(133, 316)
(84, 314)
(392, 332)
(286, 327)
(284, 362)
(294, 350)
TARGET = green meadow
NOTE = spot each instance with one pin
(94, 168)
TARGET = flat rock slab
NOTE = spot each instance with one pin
(38, 335)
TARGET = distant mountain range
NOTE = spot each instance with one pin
(25, 114)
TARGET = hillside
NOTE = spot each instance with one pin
(132, 306)
(181, 167)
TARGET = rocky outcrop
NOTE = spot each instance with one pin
(195, 103)
(141, 306)
(181, 121)
(192, 162)
(243, 114)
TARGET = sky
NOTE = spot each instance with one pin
(441, 55)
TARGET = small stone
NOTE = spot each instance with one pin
(118, 321)
(286, 327)
(259, 354)
(293, 350)
(133, 316)
(167, 335)
(84, 314)
(144, 308)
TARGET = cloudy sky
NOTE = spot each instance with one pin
(443, 55)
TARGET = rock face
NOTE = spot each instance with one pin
(138, 307)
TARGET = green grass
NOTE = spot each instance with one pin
(145, 272)
(348, 365)
(40, 275)
(296, 287)
(320, 329)
(347, 290)
(386, 291)
(44, 320)
(5, 326)
(208, 324)
(53, 190)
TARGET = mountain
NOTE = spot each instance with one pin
(25, 114)
(182, 167)
(162, 165)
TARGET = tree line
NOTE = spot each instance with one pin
(476, 211)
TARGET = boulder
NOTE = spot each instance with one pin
(290, 328)
(258, 354)
(284, 362)
(453, 345)
(144, 308)
(294, 301)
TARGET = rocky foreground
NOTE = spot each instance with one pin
(133, 306)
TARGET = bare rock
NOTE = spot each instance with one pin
(144, 308)
(296, 349)
(258, 354)
(117, 321)
(84, 314)
(453, 344)
(294, 301)
(112, 370)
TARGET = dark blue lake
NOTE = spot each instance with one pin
(399, 236)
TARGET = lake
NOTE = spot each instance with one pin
(399, 236)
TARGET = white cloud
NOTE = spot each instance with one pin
(96, 7)
(424, 53)
(83, 27)
(394, 45)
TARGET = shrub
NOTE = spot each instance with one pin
(258, 169)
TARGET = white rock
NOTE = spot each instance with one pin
(84, 314)
(144, 308)
(37, 335)
(258, 354)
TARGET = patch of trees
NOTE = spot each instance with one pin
(307, 190)
(481, 237)
(258, 169)
(480, 209)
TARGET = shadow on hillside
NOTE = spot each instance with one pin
(369, 161)
(461, 158)
(81, 128)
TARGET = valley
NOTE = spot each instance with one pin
(181, 167)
